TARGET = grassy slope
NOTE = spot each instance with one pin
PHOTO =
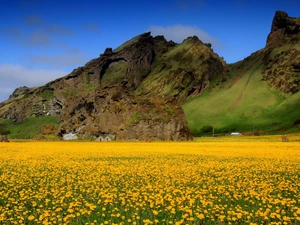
(30, 127)
(167, 75)
(246, 104)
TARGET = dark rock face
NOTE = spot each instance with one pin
(284, 29)
(122, 114)
(282, 70)
(280, 20)
(138, 57)
(282, 63)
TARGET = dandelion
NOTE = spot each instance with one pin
(201, 216)
(30, 217)
(155, 212)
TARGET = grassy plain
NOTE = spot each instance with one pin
(149, 183)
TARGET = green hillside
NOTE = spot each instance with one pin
(243, 103)
(31, 127)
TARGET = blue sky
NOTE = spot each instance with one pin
(41, 40)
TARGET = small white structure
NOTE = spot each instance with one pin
(236, 134)
(105, 138)
(70, 136)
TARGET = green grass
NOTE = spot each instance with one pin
(91, 87)
(247, 106)
(114, 74)
(29, 127)
(47, 95)
(294, 137)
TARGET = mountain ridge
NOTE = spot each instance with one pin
(79, 101)
(136, 91)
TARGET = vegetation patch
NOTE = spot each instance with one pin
(3, 130)
(47, 94)
(30, 127)
(114, 74)
(169, 110)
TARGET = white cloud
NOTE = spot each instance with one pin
(178, 33)
(14, 76)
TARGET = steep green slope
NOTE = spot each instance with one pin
(259, 94)
(244, 103)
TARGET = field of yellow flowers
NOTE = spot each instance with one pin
(149, 183)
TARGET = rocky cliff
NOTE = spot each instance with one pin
(284, 30)
(134, 92)
(281, 56)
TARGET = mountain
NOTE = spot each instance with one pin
(131, 93)
(259, 94)
(153, 89)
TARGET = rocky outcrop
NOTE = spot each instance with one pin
(184, 71)
(281, 64)
(282, 69)
(134, 92)
(117, 111)
(4, 138)
(19, 91)
(284, 29)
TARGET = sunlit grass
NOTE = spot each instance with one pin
(149, 183)
(243, 138)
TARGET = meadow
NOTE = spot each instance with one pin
(150, 183)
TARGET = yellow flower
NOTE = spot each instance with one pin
(31, 217)
(201, 216)
(155, 212)
(70, 210)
